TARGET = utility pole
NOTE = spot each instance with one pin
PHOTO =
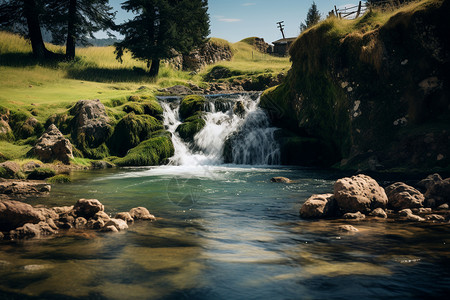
(281, 26)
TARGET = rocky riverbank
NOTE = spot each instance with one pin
(360, 197)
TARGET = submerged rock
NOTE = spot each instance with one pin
(280, 179)
(357, 216)
(124, 216)
(359, 193)
(118, 223)
(378, 212)
(403, 196)
(347, 228)
(318, 206)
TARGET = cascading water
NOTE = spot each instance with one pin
(233, 123)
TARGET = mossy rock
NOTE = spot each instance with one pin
(191, 127)
(151, 107)
(62, 121)
(154, 151)
(4, 173)
(61, 178)
(191, 104)
(6, 133)
(83, 150)
(41, 173)
(131, 131)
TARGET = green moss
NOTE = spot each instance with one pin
(136, 108)
(154, 151)
(63, 121)
(132, 130)
(62, 178)
(191, 127)
(6, 133)
(41, 173)
(191, 104)
(4, 173)
(151, 107)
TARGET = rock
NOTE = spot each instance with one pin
(95, 224)
(280, 179)
(30, 166)
(405, 212)
(53, 145)
(62, 209)
(239, 109)
(87, 208)
(428, 182)
(347, 228)
(439, 192)
(118, 223)
(443, 206)
(101, 215)
(110, 228)
(14, 214)
(354, 216)
(141, 213)
(124, 216)
(21, 189)
(2, 236)
(177, 90)
(378, 212)
(47, 213)
(101, 165)
(30, 230)
(414, 218)
(80, 223)
(422, 210)
(92, 122)
(359, 193)
(10, 169)
(402, 196)
(435, 217)
(52, 224)
(318, 206)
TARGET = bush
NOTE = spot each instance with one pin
(132, 130)
(41, 173)
(152, 152)
(191, 104)
(59, 179)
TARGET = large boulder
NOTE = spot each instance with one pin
(91, 123)
(53, 145)
(428, 182)
(359, 193)
(319, 206)
(439, 192)
(14, 214)
(401, 195)
(88, 208)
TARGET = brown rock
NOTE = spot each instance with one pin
(428, 182)
(403, 196)
(30, 230)
(405, 212)
(11, 168)
(414, 218)
(357, 216)
(435, 217)
(95, 224)
(87, 208)
(439, 192)
(62, 209)
(101, 215)
(110, 228)
(141, 213)
(30, 166)
(118, 223)
(53, 145)
(80, 223)
(347, 228)
(280, 179)
(379, 213)
(318, 206)
(124, 216)
(422, 210)
(14, 214)
(359, 193)
(21, 189)
(443, 206)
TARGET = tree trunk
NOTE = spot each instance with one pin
(71, 34)
(34, 30)
(154, 69)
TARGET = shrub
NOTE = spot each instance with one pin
(41, 173)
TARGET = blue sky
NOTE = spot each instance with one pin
(235, 20)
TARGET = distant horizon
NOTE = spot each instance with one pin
(235, 20)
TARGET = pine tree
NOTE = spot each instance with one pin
(162, 26)
(312, 18)
(73, 21)
(25, 16)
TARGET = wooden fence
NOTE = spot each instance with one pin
(354, 12)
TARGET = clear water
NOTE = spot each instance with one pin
(223, 232)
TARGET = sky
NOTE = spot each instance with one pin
(234, 20)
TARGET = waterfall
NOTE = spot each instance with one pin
(237, 131)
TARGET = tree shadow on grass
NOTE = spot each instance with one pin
(98, 74)
(22, 60)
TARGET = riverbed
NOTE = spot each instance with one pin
(223, 232)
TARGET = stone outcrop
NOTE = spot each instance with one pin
(20, 220)
(319, 206)
(12, 189)
(359, 193)
(403, 196)
(91, 123)
(52, 145)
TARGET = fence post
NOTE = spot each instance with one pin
(337, 14)
(359, 10)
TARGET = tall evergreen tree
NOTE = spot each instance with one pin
(25, 15)
(73, 21)
(312, 18)
(161, 26)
